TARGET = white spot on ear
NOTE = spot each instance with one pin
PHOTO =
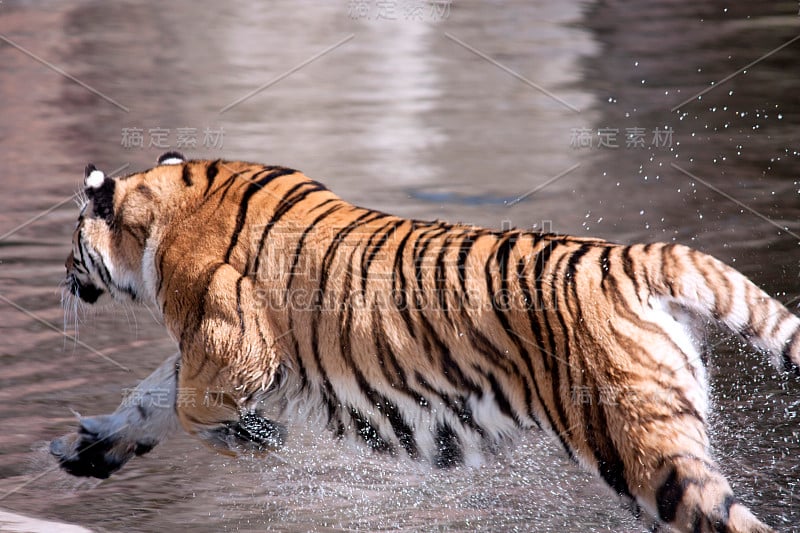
(95, 179)
(171, 158)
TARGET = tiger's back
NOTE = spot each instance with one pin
(433, 340)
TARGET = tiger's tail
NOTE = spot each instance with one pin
(711, 289)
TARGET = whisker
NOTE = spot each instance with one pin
(81, 199)
(153, 314)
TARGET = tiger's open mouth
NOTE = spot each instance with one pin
(87, 292)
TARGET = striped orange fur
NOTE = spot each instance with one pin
(430, 340)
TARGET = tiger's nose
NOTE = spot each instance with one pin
(69, 262)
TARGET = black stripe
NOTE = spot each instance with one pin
(398, 379)
(367, 431)
(400, 296)
(367, 216)
(403, 432)
(461, 263)
(434, 345)
(667, 259)
(555, 370)
(484, 345)
(331, 400)
(669, 496)
(228, 184)
(622, 309)
(440, 277)
(609, 463)
(374, 233)
(721, 524)
(239, 310)
(449, 452)
(452, 371)
(532, 304)
(298, 250)
(364, 426)
(458, 406)
(284, 205)
(186, 175)
(627, 265)
(367, 258)
(346, 314)
(788, 364)
(81, 249)
(425, 238)
(605, 265)
(334, 408)
(503, 403)
(252, 189)
(572, 268)
(502, 255)
(211, 173)
(540, 263)
(101, 269)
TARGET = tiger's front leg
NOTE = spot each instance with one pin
(216, 408)
(102, 444)
(226, 370)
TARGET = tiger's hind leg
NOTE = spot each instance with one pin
(102, 444)
(692, 495)
(670, 472)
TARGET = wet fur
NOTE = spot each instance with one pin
(424, 339)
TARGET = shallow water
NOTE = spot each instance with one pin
(406, 116)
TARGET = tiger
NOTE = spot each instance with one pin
(431, 341)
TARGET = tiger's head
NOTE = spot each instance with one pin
(116, 222)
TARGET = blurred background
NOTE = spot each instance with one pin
(580, 117)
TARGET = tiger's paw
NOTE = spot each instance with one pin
(252, 433)
(98, 448)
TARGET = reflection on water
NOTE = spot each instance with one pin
(406, 116)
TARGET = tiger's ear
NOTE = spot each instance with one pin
(100, 189)
(93, 178)
(171, 158)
